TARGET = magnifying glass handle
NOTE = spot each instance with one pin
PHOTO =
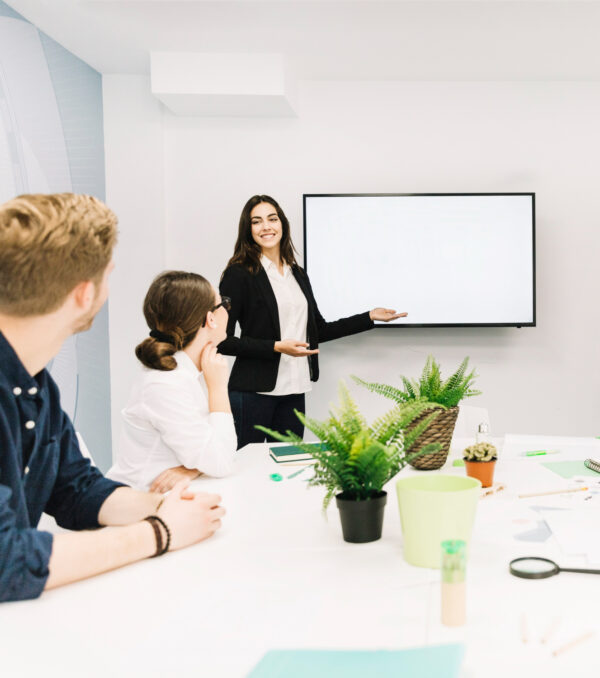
(575, 569)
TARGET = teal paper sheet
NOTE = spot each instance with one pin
(433, 661)
(568, 469)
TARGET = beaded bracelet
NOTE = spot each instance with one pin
(155, 521)
(157, 535)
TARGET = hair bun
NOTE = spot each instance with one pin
(175, 308)
(162, 336)
(156, 354)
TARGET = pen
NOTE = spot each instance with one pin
(297, 473)
(538, 453)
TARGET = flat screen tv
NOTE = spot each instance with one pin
(447, 259)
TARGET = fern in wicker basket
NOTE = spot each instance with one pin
(358, 459)
(430, 386)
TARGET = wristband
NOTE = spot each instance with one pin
(155, 521)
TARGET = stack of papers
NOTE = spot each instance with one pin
(576, 531)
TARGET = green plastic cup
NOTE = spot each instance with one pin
(434, 508)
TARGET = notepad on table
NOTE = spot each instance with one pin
(286, 453)
(439, 661)
(568, 469)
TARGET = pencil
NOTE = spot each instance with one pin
(543, 494)
(576, 641)
(492, 490)
(524, 633)
(551, 630)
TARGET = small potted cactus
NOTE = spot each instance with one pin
(480, 461)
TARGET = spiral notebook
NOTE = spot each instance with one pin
(593, 465)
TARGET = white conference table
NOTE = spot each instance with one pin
(278, 575)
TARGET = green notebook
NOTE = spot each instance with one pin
(433, 661)
(292, 453)
(568, 469)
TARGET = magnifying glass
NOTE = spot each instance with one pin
(532, 567)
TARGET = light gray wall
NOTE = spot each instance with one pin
(416, 137)
(51, 140)
(423, 137)
(133, 130)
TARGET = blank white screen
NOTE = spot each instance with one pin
(443, 259)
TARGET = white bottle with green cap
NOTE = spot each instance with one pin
(454, 593)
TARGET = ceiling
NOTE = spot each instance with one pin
(339, 40)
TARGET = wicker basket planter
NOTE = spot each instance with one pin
(439, 431)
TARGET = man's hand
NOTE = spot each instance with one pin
(385, 314)
(297, 349)
(190, 518)
(169, 478)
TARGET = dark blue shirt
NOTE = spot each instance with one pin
(41, 470)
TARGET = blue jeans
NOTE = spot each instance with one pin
(274, 412)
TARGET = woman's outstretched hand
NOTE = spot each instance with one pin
(385, 314)
(297, 349)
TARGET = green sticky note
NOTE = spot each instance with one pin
(458, 462)
(441, 661)
(568, 469)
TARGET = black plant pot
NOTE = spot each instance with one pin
(361, 520)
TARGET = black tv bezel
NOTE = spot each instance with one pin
(412, 195)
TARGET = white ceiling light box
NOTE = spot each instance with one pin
(195, 83)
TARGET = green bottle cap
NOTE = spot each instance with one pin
(454, 560)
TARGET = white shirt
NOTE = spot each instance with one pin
(294, 374)
(167, 423)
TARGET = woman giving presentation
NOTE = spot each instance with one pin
(280, 323)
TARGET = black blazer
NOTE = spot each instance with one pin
(254, 306)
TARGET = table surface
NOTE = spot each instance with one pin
(279, 575)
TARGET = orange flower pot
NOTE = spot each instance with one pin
(482, 470)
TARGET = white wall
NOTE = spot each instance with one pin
(133, 135)
(423, 137)
(391, 137)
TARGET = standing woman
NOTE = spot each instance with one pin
(281, 327)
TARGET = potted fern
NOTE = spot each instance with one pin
(357, 460)
(480, 462)
(445, 393)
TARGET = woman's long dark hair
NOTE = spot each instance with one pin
(175, 308)
(247, 253)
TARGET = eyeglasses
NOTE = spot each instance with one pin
(225, 303)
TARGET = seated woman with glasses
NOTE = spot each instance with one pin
(177, 423)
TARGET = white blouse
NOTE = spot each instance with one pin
(294, 374)
(167, 423)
